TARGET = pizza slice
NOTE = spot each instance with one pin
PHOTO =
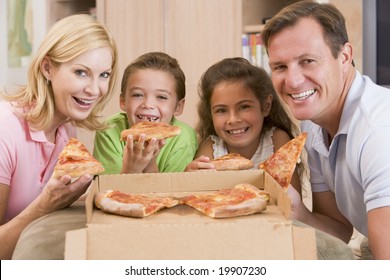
(75, 160)
(282, 163)
(232, 161)
(131, 205)
(243, 199)
(151, 130)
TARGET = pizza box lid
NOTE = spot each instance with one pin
(182, 232)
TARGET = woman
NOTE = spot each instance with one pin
(70, 80)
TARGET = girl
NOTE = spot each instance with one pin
(240, 112)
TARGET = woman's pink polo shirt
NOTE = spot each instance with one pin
(27, 159)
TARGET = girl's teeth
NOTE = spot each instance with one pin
(238, 131)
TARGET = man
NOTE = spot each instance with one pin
(347, 118)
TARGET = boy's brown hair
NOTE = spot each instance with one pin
(157, 61)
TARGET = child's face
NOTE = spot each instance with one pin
(151, 96)
(237, 116)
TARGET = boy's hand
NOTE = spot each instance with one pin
(152, 167)
(137, 156)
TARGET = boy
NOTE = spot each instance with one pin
(152, 89)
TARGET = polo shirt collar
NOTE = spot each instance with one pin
(319, 141)
(351, 103)
(39, 135)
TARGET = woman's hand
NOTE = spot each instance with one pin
(62, 192)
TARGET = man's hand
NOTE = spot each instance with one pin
(297, 206)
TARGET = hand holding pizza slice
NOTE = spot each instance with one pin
(282, 163)
(232, 161)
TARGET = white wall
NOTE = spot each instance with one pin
(37, 8)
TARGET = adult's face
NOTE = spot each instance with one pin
(306, 75)
(79, 84)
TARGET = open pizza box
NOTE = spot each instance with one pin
(183, 233)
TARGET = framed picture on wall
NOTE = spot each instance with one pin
(20, 32)
(23, 23)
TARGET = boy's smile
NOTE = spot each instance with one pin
(151, 96)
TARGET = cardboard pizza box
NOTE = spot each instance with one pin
(181, 232)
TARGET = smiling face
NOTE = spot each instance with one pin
(150, 95)
(237, 116)
(79, 84)
(306, 75)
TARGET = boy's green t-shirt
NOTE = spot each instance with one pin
(176, 154)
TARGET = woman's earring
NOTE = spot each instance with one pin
(47, 81)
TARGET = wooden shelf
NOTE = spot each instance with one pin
(256, 28)
(58, 9)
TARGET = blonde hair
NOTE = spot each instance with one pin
(66, 40)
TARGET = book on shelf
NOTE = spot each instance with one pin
(246, 50)
(252, 46)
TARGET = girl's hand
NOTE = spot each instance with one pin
(200, 163)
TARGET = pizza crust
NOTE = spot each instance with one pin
(145, 207)
(248, 207)
(124, 209)
(232, 161)
(151, 130)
